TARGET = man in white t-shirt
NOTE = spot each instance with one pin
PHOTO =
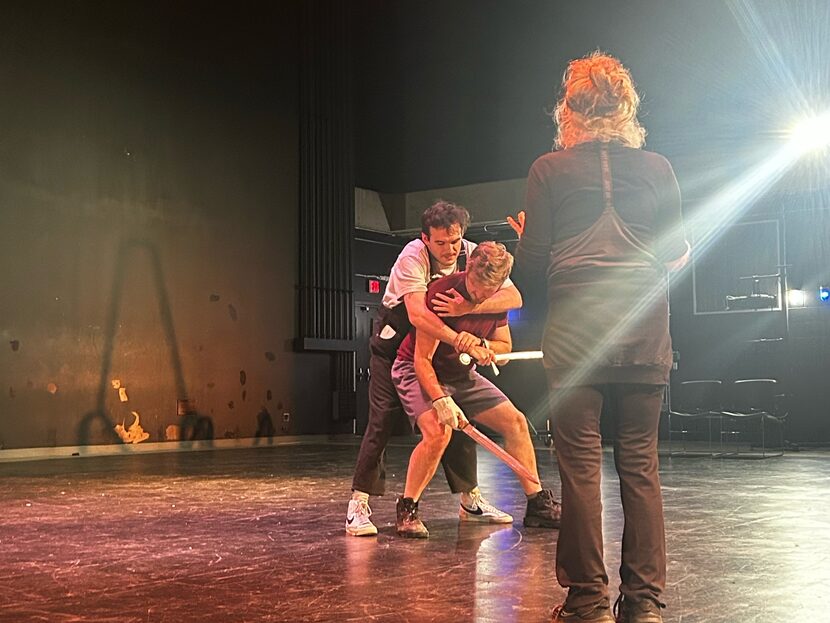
(438, 252)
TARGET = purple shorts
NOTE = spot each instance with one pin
(473, 393)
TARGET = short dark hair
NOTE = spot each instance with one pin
(443, 215)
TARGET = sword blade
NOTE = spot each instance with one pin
(519, 355)
(511, 462)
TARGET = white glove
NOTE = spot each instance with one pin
(448, 412)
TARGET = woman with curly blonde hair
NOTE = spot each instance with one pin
(599, 103)
(603, 221)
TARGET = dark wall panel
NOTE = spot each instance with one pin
(456, 93)
(793, 347)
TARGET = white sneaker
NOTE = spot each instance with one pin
(481, 510)
(357, 519)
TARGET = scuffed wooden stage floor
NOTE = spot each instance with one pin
(257, 535)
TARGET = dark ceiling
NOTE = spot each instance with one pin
(452, 93)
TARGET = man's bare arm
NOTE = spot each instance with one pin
(451, 303)
(502, 301)
(502, 340)
(447, 412)
(425, 321)
(425, 347)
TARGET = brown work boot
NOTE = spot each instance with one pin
(599, 613)
(543, 511)
(407, 521)
(644, 611)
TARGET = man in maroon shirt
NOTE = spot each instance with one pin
(434, 386)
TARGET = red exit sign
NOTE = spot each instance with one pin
(373, 286)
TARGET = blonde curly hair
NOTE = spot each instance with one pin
(599, 103)
(490, 263)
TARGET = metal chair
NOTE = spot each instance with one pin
(694, 401)
(753, 400)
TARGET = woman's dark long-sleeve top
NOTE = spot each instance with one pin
(608, 311)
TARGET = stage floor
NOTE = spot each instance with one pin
(257, 535)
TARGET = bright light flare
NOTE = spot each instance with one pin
(796, 298)
(812, 134)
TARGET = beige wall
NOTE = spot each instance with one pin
(148, 234)
(487, 202)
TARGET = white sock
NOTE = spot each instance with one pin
(360, 495)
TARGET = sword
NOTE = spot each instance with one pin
(481, 439)
(466, 359)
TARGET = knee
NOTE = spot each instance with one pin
(435, 441)
(578, 430)
(517, 423)
(641, 465)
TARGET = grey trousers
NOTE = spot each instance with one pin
(460, 462)
(579, 556)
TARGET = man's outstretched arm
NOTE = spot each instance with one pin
(451, 303)
(425, 321)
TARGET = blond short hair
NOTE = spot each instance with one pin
(490, 263)
(599, 103)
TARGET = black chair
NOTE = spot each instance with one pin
(753, 401)
(694, 414)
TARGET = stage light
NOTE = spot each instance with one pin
(824, 294)
(796, 298)
(812, 134)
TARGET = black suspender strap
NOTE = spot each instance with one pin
(462, 257)
(608, 197)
